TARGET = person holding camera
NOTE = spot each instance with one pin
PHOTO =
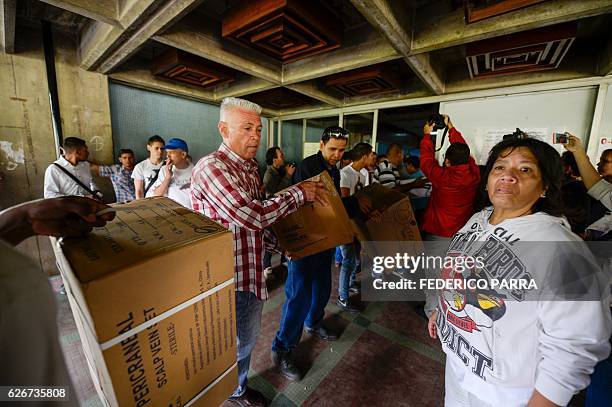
(597, 181)
(454, 184)
(276, 178)
(278, 173)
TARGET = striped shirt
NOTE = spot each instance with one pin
(227, 189)
(123, 184)
(386, 174)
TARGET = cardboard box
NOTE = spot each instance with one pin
(153, 297)
(397, 223)
(314, 228)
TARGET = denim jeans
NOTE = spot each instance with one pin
(338, 255)
(307, 291)
(248, 322)
(348, 271)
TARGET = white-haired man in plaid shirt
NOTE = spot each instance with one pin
(225, 186)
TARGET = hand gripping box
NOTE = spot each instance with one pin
(152, 294)
(314, 228)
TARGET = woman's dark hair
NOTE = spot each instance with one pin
(549, 163)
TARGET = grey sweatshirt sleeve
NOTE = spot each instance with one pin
(574, 338)
(602, 191)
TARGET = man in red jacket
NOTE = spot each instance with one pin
(453, 185)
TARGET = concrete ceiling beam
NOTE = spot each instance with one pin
(203, 40)
(394, 22)
(159, 20)
(243, 87)
(369, 49)
(105, 11)
(451, 30)
(98, 38)
(316, 92)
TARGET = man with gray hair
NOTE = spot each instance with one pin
(225, 186)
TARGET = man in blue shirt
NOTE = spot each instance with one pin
(412, 167)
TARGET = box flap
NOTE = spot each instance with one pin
(141, 230)
(382, 197)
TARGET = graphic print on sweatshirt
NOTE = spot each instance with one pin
(464, 313)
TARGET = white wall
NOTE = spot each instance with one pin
(545, 112)
(604, 134)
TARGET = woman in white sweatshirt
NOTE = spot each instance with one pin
(522, 344)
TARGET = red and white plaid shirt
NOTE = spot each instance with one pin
(227, 189)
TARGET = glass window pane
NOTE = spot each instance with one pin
(360, 127)
(291, 140)
(315, 127)
(314, 130)
(403, 125)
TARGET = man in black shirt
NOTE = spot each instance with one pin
(308, 284)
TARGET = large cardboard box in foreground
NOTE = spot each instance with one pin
(314, 228)
(397, 227)
(153, 297)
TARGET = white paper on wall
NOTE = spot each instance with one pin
(488, 138)
(605, 143)
(310, 149)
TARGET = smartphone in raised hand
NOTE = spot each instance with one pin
(560, 138)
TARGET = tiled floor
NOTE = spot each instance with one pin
(383, 357)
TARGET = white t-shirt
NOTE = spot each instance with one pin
(58, 183)
(180, 185)
(352, 179)
(366, 174)
(145, 171)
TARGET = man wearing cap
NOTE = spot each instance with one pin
(174, 179)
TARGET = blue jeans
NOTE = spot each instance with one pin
(248, 322)
(338, 256)
(307, 291)
(348, 271)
